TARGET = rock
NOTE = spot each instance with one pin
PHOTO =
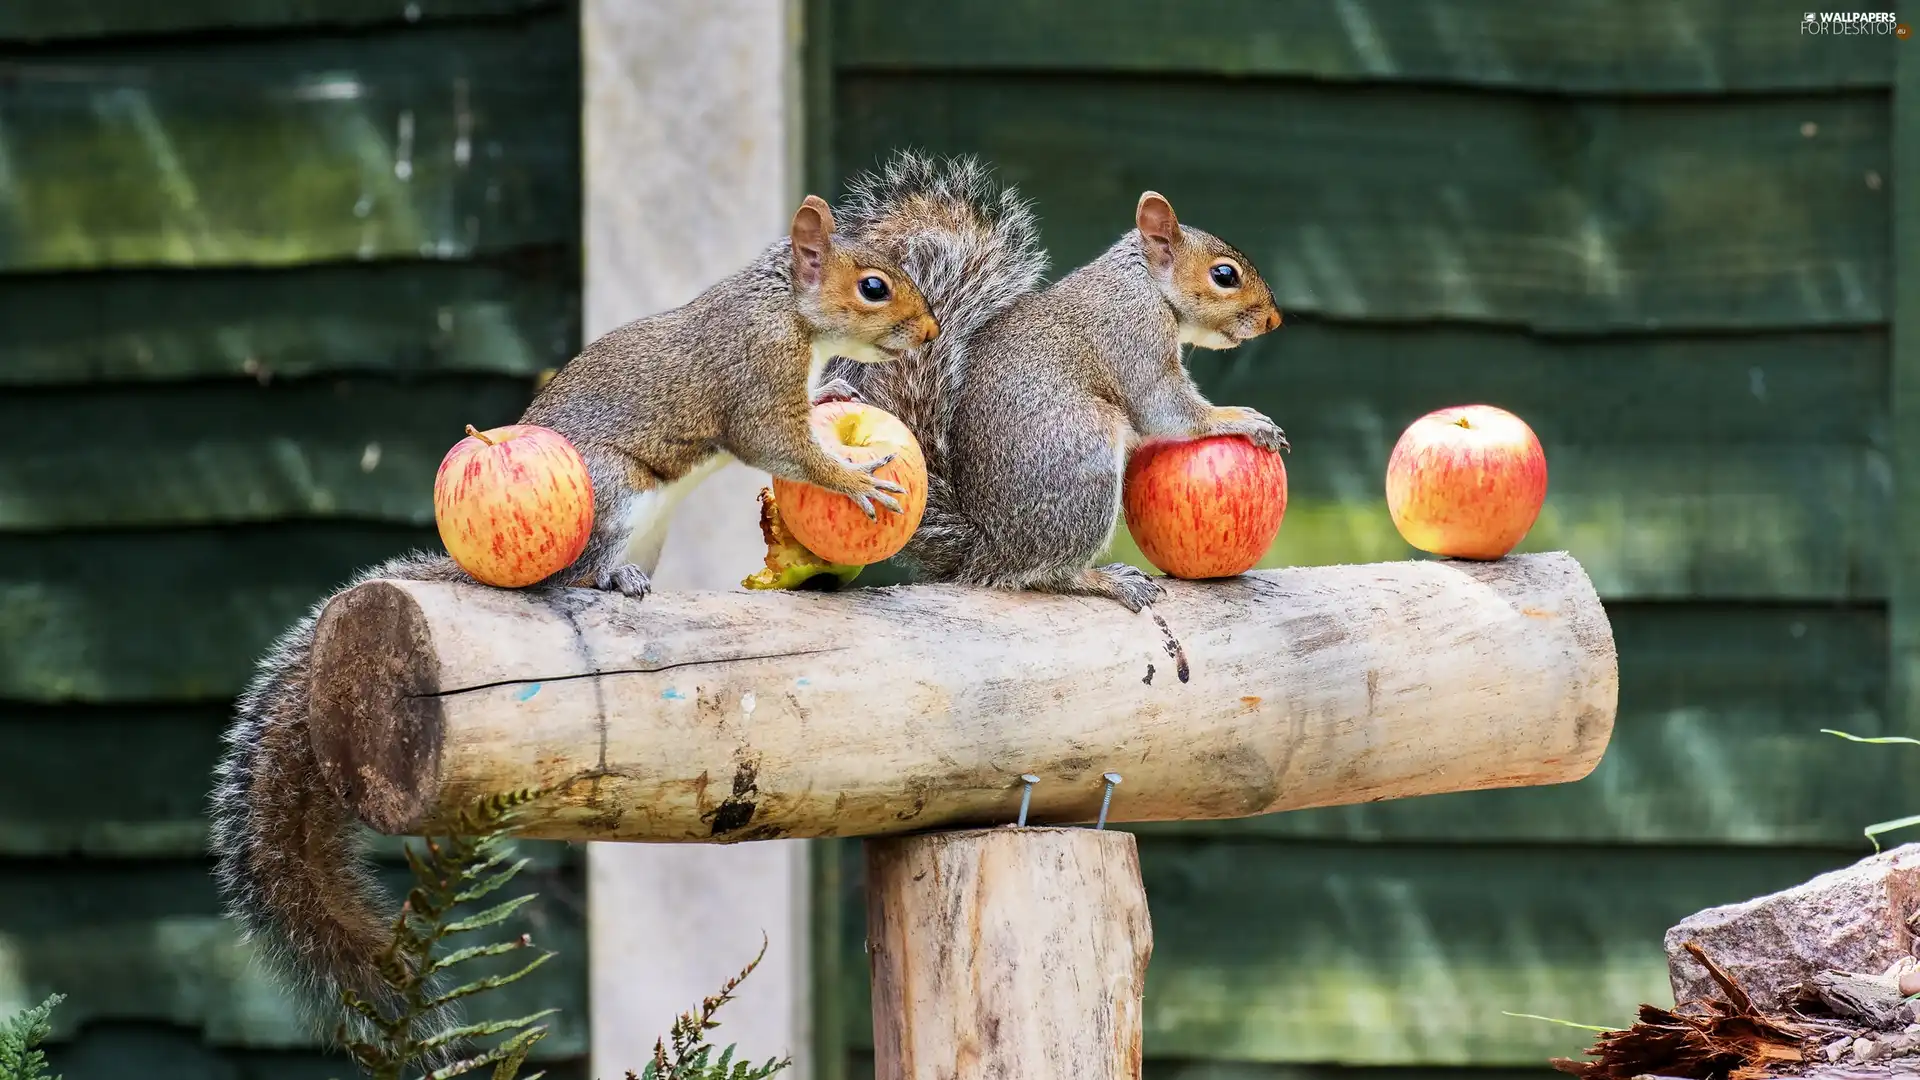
(1863, 1050)
(1851, 919)
(1838, 1047)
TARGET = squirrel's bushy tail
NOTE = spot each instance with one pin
(973, 248)
(288, 852)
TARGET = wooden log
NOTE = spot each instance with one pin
(742, 716)
(1007, 953)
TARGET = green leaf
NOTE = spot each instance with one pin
(1878, 740)
(461, 956)
(497, 850)
(516, 1054)
(481, 1030)
(491, 982)
(1875, 831)
(1551, 1020)
(20, 1036)
(490, 917)
(492, 883)
(508, 1056)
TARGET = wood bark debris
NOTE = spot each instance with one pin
(1837, 1026)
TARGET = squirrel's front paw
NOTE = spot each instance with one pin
(837, 390)
(1269, 437)
(1255, 425)
(871, 489)
(625, 579)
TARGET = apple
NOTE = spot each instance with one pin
(831, 525)
(1466, 482)
(1204, 508)
(788, 564)
(514, 504)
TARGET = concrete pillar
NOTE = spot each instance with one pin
(692, 158)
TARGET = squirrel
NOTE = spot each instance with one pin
(1036, 402)
(653, 408)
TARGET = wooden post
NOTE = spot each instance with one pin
(719, 717)
(1009, 952)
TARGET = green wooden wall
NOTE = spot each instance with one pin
(1661, 231)
(260, 260)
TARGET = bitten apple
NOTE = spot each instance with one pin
(831, 525)
(1466, 482)
(788, 563)
(514, 504)
(1204, 508)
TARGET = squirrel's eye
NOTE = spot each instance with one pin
(1225, 276)
(873, 289)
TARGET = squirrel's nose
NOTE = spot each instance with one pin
(1273, 318)
(928, 329)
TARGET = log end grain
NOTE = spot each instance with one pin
(377, 727)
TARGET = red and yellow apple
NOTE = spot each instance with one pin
(1466, 482)
(831, 525)
(514, 504)
(788, 563)
(1204, 508)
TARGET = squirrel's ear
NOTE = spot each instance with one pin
(1153, 216)
(820, 204)
(812, 225)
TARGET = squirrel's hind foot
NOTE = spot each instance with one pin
(1131, 586)
(626, 579)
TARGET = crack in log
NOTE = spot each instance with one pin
(629, 671)
(584, 651)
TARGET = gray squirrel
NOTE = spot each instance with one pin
(653, 407)
(1028, 408)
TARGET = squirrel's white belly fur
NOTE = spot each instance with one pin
(1204, 337)
(649, 513)
(825, 349)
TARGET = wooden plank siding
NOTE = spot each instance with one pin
(1660, 230)
(260, 262)
(1639, 47)
(75, 21)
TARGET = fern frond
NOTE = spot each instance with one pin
(476, 952)
(692, 1056)
(516, 1055)
(449, 872)
(498, 913)
(506, 1059)
(489, 885)
(483, 1029)
(20, 1039)
(491, 982)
